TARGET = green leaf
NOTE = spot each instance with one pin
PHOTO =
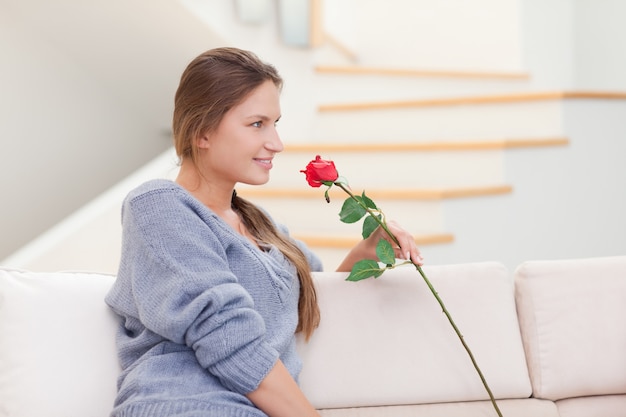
(385, 252)
(369, 203)
(351, 211)
(369, 225)
(367, 268)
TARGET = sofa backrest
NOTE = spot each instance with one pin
(572, 316)
(386, 341)
(382, 341)
(57, 345)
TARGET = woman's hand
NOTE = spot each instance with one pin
(408, 248)
(278, 395)
(366, 249)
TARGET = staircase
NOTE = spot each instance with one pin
(429, 146)
(464, 158)
(411, 156)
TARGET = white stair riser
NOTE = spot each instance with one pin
(332, 257)
(332, 88)
(459, 122)
(368, 170)
(315, 216)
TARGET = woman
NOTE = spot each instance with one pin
(210, 290)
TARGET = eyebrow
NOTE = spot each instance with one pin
(263, 117)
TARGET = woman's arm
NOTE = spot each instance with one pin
(175, 279)
(366, 248)
(278, 395)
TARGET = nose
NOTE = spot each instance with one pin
(274, 143)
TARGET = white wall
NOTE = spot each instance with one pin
(86, 99)
(600, 44)
(443, 34)
(567, 202)
(575, 44)
(64, 137)
(548, 42)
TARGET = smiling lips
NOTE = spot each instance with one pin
(265, 162)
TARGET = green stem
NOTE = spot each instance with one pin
(434, 292)
(382, 223)
(461, 338)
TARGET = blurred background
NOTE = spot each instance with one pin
(493, 129)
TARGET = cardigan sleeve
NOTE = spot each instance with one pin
(176, 274)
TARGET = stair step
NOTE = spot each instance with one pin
(413, 72)
(305, 212)
(491, 121)
(381, 87)
(377, 193)
(332, 249)
(307, 216)
(473, 100)
(382, 146)
(446, 164)
(348, 241)
(398, 169)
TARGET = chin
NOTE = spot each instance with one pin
(258, 181)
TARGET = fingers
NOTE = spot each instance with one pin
(410, 251)
(407, 247)
(404, 248)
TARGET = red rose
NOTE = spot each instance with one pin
(319, 171)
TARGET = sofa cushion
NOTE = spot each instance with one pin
(57, 345)
(528, 407)
(571, 318)
(603, 405)
(385, 341)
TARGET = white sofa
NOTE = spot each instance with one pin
(550, 338)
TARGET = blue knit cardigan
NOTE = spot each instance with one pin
(204, 314)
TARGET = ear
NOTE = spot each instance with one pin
(204, 141)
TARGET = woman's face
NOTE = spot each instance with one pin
(245, 142)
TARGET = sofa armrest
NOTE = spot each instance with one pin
(57, 345)
(571, 316)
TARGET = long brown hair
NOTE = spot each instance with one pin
(211, 85)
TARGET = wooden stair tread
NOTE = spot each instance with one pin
(377, 193)
(413, 72)
(348, 241)
(383, 146)
(473, 100)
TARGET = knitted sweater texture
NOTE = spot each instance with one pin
(204, 313)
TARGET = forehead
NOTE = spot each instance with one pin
(263, 100)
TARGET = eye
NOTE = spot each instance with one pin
(257, 124)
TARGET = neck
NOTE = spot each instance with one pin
(217, 198)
